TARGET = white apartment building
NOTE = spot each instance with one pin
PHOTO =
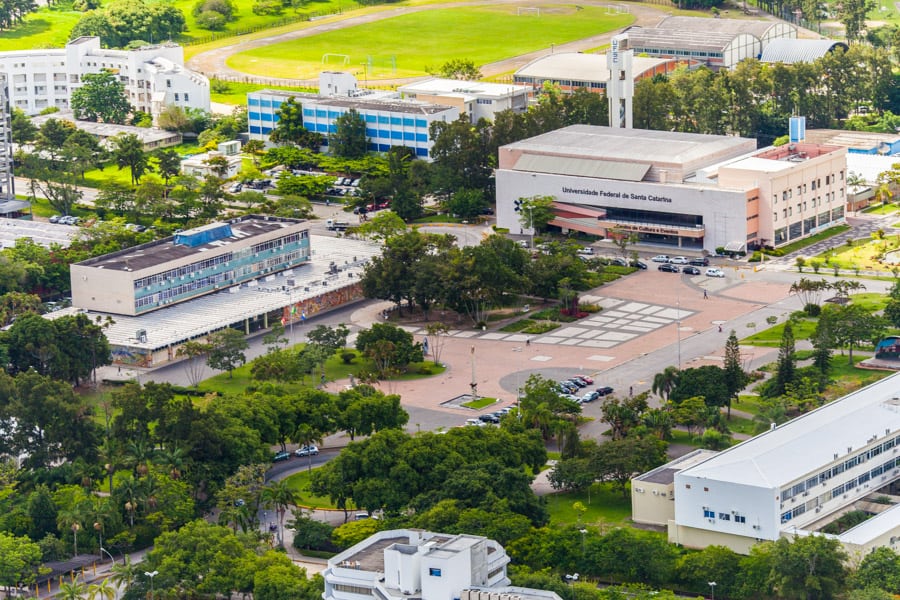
(406, 564)
(791, 480)
(154, 76)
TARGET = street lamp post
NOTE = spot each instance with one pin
(570, 579)
(151, 575)
(712, 590)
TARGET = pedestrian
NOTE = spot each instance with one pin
(720, 328)
(630, 391)
(705, 295)
(527, 341)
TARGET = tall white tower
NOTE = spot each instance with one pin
(620, 87)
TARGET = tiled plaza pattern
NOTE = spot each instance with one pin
(618, 322)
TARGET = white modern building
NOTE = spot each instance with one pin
(201, 165)
(717, 43)
(389, 121)
(478, 99)
(154, 76)
(408, 564)
(679, 189)
(791, 480)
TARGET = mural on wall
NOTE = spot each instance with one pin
(888, 348)
(305, 309)
(133, 357)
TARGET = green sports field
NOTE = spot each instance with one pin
(405, 46)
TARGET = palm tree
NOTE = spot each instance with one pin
(138, 455)
(306, 435)
(660, 422)
(72, 591)
(665, 382)
(129, 489)
(110, 457)
(278, 495)
(73, 519)
(124, 575)
(173, 459)
(104, 590)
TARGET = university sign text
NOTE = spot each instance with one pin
(619, 195)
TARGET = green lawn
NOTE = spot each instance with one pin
(428, 39)
(882, 209)
(480, 403)
(771, 337)
(871, 301)
(299, 483)
(46, 28)
(862, 254)
(335, 369)
(605, 507)
(822, 235)
(236, 93)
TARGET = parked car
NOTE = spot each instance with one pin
(568, 386)
(639, 265)
(590, 396)
(715, 273)
(586, 251)
(236, 187)
(311, 450)
(473, 422)
(700, 262)
(660, 258)
(669, 268)
(585, 378)
(489, 418)
(690, 270)
(679, 260)
(55, 219)
(571, 397)
(577, 382)
(605, 390)
(280, 456)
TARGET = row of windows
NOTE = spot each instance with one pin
(420, 152)
(814, 185)
(678, 52)
(708, 513)
(801, 228)
(262, 102)
(408, 136)
(837, 469)
(180, 290)
(802, 206)
(276, 243)
(190, 269)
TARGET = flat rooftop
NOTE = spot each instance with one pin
(364, 102)
(147, 135)
(858, 140)
(577, 66)
(437, 85)
(151, 254)
(803, 445)
(631, 145)
(187, 320)
(872, 528)
(665, 474)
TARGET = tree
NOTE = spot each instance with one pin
(101, 97)
(310, 534)
(349, 139)
(851, 325)
(227, 350)
(460, 155)
(786, 366)
(708, 381)
(289, 128)
(331, 339)
(193, 352)
(735, 377)
(620, 460)
(124, 21)
(535, 212)
(808, 568)
(20, 559)
(457, 68)
(168, 163)
(852, 14)
(128, 151)
(21, 127)
(879, 569)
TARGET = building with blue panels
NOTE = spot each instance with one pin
(190, 264)
(389, 120)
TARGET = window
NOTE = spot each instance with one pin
(168, 83)
(687, 486)
(186, 99)
(176, 97)
(739, 518)
(434, 572)
(709, 514)
(725, 516)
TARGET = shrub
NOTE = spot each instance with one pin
(223, 7)
(812, 309)
(211, 20)
(755, 257)
(771, 320)
(589, 308)
(268, 7)
(539, 328)
(348, 357)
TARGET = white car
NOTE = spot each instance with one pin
(715, 273)
(312, 450)
(475, 423)
(660, 258)
(586, 251)
(679, 260)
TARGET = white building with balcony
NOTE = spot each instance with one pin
(402, 564)
(154, 76)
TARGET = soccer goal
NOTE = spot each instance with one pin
(528, 11)
(343, 59)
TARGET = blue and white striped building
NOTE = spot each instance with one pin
(389, 120)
